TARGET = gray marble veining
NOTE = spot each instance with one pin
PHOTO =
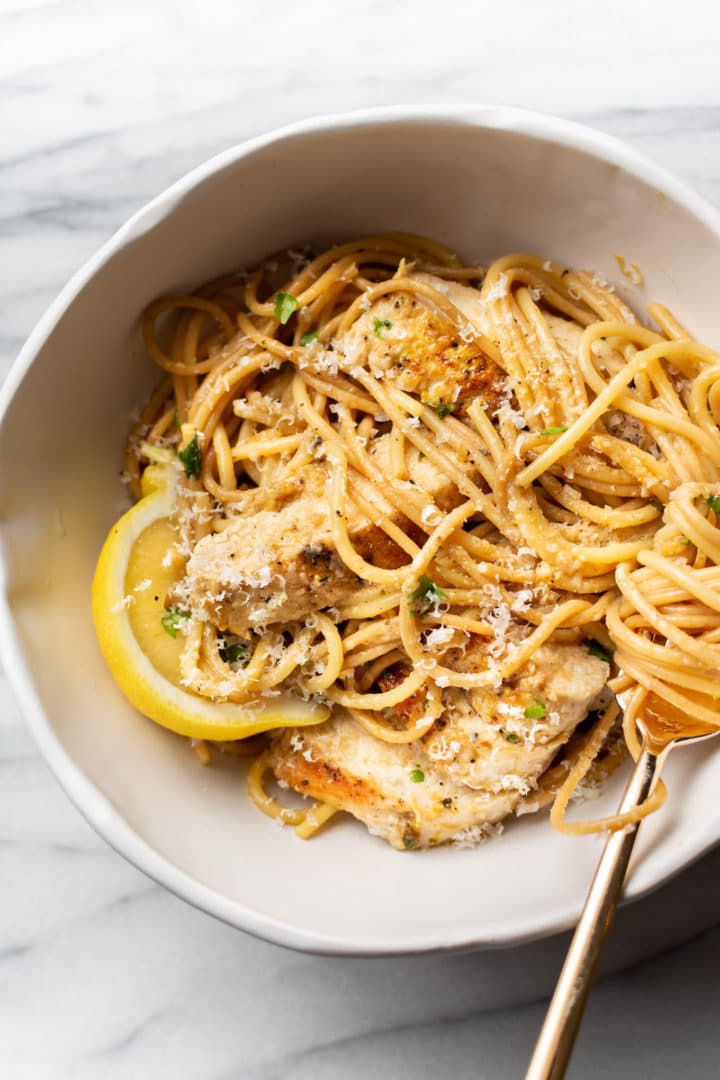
(102, 973)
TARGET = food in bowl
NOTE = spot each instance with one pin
(395, 515)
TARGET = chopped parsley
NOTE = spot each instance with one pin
(534, 712)
(176, 419)
(308, 337)
(174, 620)
(425, 595)
(232, 653)
(191, 458)
(511, 736)
(285, 304)
(379, 325)
(416, 776)
(409, 840)
(553, 430)
(595, 649)
(443, 408)
(713, 502)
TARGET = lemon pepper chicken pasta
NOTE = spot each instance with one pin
(396, 513)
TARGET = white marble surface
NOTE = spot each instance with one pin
(102, 973)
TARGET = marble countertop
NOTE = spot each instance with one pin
(102, 973)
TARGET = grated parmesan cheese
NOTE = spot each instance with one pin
(431, 515)
(439, 635)
(499, 289)
(472, 835)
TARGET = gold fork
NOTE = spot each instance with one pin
(661, 730)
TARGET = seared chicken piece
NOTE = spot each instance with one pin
(426, 477)
(476, 763)
(504, 741)
(466, 299)
(422, 352)
(380, 783)
(280, 564)
(274, 565)
(567, 335)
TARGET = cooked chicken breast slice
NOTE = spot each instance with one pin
(504, 741)
(403, 339)
(477, 763)
(270, 566)
(421, 472)
(340, 763)
(281, 564)
(466, 298)
(568, 336)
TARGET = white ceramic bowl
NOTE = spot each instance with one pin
(485, 181)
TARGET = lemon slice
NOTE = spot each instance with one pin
(128, 600)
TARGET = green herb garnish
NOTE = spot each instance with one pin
(232, 653)
(409, 840)
(535, 712)
(512, 737)
(713, 502)
(285, 304)
(379, 325)
(308, 337)
(442, 408)
(595, 649)
(553, 430)
(416, 776)
(425, 595)
(191, 458)
(174, 620)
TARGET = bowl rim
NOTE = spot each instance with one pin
(103, 817)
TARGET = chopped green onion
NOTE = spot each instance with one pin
(416, 776)
(174, 620)
(442, 408)
(191, 458)
(713, 502)
(512, 737)
(596, 649)
(308, 337)
(285, 304)
(425, 595)
(232, 653)
(553, 430)
(379, 325)
(535, 712)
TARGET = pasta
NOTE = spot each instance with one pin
(574, 455)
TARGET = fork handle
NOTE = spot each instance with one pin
(557, 1038)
